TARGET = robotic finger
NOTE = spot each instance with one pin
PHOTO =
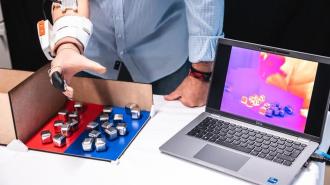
(58, 82)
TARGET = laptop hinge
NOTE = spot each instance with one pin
(303, 140)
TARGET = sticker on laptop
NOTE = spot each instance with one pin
(272, 180)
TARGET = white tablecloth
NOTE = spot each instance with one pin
(142, 163)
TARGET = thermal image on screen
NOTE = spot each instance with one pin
(269, 88)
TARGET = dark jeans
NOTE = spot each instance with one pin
(162, 86)
(169, 83)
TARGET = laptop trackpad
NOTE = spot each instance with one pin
(221, 157)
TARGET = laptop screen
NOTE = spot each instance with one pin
(269, 88)
(274, 88)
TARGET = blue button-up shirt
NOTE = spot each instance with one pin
(153, 37)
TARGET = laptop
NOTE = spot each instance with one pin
(264, 117)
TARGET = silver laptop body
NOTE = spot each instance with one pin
(237, 159)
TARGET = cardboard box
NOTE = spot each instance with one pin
(31, 104)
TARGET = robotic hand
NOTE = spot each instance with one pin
(64, 42)
(68, 62)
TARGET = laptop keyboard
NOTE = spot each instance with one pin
(253, 142)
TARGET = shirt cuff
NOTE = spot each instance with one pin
(203, 48)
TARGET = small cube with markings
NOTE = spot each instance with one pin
(46, 137)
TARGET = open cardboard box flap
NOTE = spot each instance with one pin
(35, 100)
(9, 79)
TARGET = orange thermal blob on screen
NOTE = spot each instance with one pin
(297, 77)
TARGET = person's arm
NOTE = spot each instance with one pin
(205, 26)
(83, 10)
(69, 59)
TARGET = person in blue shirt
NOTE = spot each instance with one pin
(159, 41)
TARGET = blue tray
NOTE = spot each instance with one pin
(116, 147)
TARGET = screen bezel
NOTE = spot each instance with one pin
(319, 101)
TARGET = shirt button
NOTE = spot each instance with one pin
(119, 35)
(122, 53)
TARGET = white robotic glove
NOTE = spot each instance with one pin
(50, 36)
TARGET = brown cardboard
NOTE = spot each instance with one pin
(109, 92)
(9, 79)
(327, 175)
(28, 101)
(7, 130)
(33, 102)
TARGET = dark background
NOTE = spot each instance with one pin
(21, 17)
(292, 24)
(301, 25)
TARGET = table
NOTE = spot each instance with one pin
(142, 163)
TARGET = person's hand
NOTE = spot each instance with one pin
(192, 92)
(69, 61)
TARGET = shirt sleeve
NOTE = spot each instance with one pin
(205, 26)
